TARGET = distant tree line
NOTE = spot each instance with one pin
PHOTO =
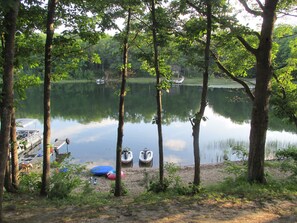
(103, 59)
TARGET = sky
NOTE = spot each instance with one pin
(256, 22)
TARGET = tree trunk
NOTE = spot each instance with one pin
(14, 153)
(159, 94)
(203, 102)
(8, 180)
(259, 120)
(117, 192)
(11, 178)
(47, 90)
(10, 20)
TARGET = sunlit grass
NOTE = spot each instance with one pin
(274, 189)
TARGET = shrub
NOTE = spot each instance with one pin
(124, 190)
(156, 187)
(238, 170)
(288, 159)
(65, 180)
(172, 182)
(30, 182)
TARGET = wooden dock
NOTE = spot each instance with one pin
(59, 143)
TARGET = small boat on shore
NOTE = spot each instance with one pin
(101, 170)
(100, 81)
(111, 175)
(127, 156)
(146, 156)
(178, 81)
(27, 138)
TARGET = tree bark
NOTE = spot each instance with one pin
(47, 90)
(14, 153)
(259, 119)
(117, 192)
(159, 94)
(203, 102)
(10, 20)
(11, 178)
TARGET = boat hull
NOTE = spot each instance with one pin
(111, 175)
(146, 156)
(101, 170)
(127, 157)
(178, 81)
(100, 81)
(28, 139)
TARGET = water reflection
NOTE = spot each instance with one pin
(87, 114)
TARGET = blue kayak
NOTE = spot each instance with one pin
(101, 170)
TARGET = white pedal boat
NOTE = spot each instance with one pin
(146, 156)
(127, 156)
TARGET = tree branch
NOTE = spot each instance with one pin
(247, 45)
(249, 10)
(221, 66)
(260, 4)
(193, 6)
(285, 13)
(283, 106)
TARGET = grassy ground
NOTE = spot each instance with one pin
(221, 201)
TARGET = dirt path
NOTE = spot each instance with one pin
(166, 212)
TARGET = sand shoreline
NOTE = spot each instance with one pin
(135, 178)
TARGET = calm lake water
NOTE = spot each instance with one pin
(87, 115)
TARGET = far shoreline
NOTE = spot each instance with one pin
(221, 82)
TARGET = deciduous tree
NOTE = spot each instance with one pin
(47, 91)
(10, 9)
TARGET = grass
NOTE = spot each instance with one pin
(274, 189)
(227, 190)
(232, 191)
(238, 196)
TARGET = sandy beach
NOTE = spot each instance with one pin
(135, 177)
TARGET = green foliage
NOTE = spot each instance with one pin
(124, 190)
(65, 180)
(157, 187)
(87, 189)
(288, 159)
(23, 82)
(240, 188)
(284, 87)
(172, 170)
(171, 183)
(240, 151)
(30, 183)
(96, 58)
(238, 170)
(230, 49)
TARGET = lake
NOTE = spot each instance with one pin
(86, 113)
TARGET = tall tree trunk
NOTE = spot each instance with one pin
(11, 173)
(47, 90)
(8, 179)
(259, 120)
(117, 192)
(10, 20)
(14, 153)
(203, 102)
(159, 94)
